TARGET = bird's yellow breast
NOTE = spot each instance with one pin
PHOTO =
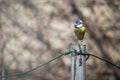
(79, 32)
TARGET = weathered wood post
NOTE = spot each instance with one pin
(78, 62)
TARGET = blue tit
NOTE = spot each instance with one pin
(79, 29)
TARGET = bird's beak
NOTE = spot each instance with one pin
(75, 26)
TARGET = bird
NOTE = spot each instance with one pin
(79, 29)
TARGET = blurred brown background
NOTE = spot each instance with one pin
(33, 31)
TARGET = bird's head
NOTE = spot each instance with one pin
(78, 23)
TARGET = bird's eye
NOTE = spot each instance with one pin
(78, 21)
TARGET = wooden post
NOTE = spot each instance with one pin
(78, 62)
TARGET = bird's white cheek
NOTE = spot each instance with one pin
(80, 25)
